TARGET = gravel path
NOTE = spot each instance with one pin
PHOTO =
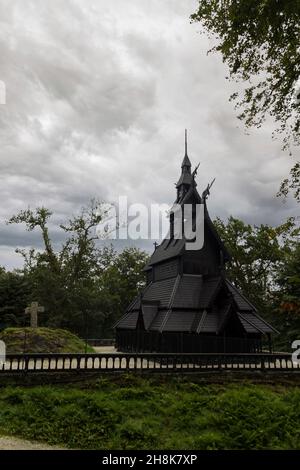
(14, 443)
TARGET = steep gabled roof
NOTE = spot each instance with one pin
(166, 250)
(161, 291)
(208, 323)
(210, 289)
(185, 178)
(179, 321)
(159, 320)
(241, 301)
(188, 292)
(223, 315)
(171, 248)
(149, 312)
(253, 323)
(128, 321)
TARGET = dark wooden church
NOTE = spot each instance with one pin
(188, 304)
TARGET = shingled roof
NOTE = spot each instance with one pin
(255, 324)
(128, 321)
(241, 301)
(188, 292)
(171, 248)
(183, 303)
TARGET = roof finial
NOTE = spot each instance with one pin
(185, 142)
(206, 191)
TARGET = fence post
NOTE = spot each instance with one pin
(26, 364)
(220, 363)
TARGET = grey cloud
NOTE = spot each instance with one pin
(98, 96)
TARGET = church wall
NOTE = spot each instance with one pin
(176, 342)
(204, 261)
(149, 275)
(166, 270)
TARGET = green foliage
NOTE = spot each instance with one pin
(154, 414)
(288, 295)
(83, 288)
(291, 184)
(257, 252)
(289, 279)
(42, 340)
(120, 282)
(259, 41)
(14, 295)
(265, 266)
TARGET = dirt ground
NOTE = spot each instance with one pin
(14, 443)
(105, 349)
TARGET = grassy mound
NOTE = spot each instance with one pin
(41, 340)
(170, 413)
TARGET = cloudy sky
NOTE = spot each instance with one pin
(98, 95)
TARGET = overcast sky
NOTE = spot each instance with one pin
(98, 96)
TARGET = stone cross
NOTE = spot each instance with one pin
(33, 310)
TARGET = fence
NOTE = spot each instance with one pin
(146, 362)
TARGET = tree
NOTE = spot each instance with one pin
(83, 288)
(289, 281)
(257, 254)
(14, 295)
(60, 279)
(120, 282)
(291, 184)
(260, 42)
(265, 266)
(287, 299)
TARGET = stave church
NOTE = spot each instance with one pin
(188, 304)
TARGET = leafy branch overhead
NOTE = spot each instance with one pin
(260, 42)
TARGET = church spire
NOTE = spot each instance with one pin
(186, 164)
(186, 178)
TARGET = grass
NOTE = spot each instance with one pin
(39, 340)
(131, 412)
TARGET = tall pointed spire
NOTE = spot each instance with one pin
(186, 164)
(185, 179)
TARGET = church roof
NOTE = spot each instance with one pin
(253, 323)
(128, 321)
(187, 303)
(185, 178)
(186, 161)
(241, 301)
(149, 312)
(171, 248)
(188, 292)
(179, 321)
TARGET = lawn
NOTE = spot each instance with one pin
(42, 340)
(131, 412)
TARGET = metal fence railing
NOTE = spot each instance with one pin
(170, 362)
